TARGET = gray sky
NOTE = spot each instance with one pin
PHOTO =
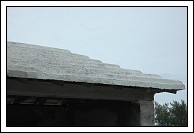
(149, 39)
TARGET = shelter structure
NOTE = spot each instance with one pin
(54, 87)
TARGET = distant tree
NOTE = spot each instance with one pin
(175, 115)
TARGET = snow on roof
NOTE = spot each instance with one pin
(38, 62)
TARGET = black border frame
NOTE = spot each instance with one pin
(106, 7)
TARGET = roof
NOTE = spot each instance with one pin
(38, 62)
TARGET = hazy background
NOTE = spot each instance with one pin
(150, 39)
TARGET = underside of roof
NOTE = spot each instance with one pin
(38, 62)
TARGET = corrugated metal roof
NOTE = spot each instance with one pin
(38, 62)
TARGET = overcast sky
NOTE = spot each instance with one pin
(150, 39)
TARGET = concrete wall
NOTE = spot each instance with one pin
(146, 113)
(79, 104)
(62, 89)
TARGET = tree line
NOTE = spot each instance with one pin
(173, 114)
